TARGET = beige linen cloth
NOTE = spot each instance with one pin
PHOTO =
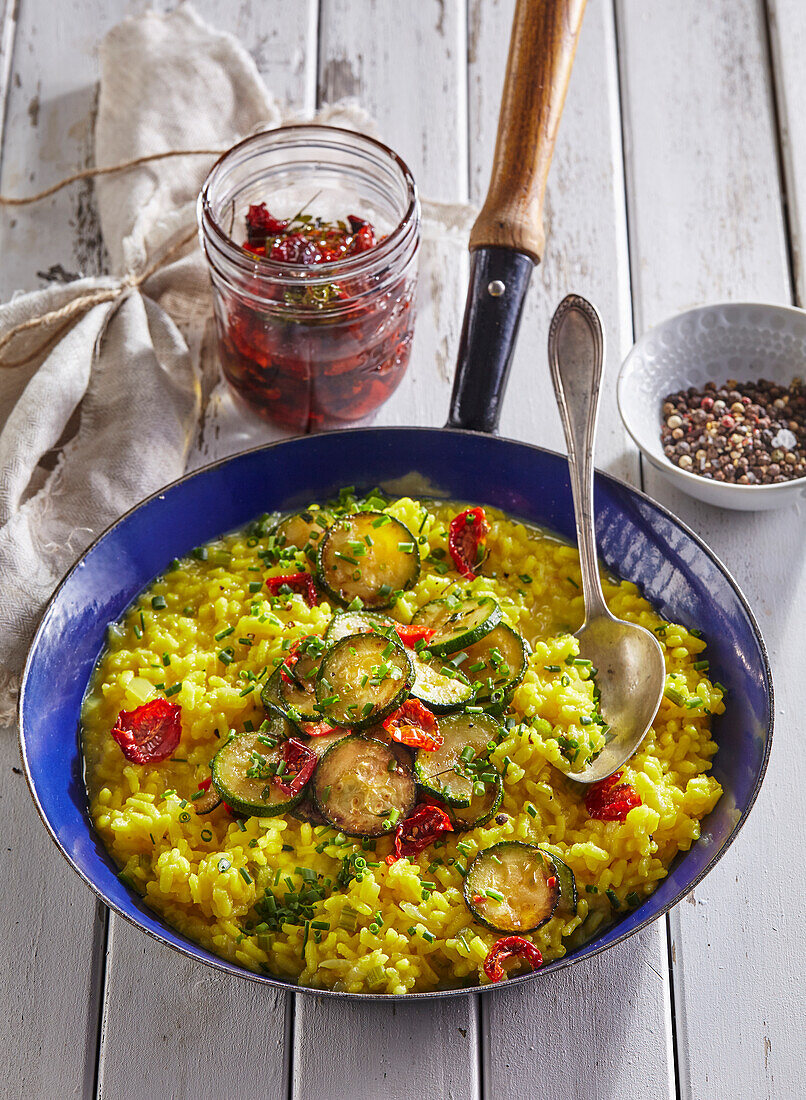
(114, 401)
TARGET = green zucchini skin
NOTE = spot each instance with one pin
(437, 691)
(458, 623)
(505, 677)
(480, 810)
(343, 669)
(251, 796)
(356, 780)
(302, 530)
(345, 623)
(526, 905)
(434, 770)
(374, 572)
(567, 905)
(299, 702)
(270, 695)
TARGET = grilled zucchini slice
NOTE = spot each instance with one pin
(298, 692)
(567, 905)
(368, 556)
(361, 788)
(441, 772)
(437, 690)
(345, 623)
(362, 679)
(497, 663)
(255, 795)
(512, 887)
(303, 530)
(482, 808)
(457, 622)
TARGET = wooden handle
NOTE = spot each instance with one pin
(541, 53)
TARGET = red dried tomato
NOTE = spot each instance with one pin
(418, 831)
(301, 583)
(410, 635)
(150, 733)
(610, 800)
(467, 538)
(510, 947)
(261, 224)
(300, 762)
(414, 725)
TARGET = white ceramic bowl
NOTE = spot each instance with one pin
(740, 340)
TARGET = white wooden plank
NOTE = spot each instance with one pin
(706, 224)
(586, 253)
(48, 918)
(375, 1051)
(410, 74)
(177, 1029)
(787, 30)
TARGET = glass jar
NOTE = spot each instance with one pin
(311, 347)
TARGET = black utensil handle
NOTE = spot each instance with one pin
(499, 279)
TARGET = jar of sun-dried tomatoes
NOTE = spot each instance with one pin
(311, 234)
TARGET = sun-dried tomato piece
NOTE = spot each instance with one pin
(467, 540)
(610, 800)
(150, 733)
(410, 635)
(300, 762)
(302, 583)
(510, 947)
(363, 240)
(261, 224)
(418, 831)
(414, 725)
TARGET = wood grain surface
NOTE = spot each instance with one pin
(677, 178)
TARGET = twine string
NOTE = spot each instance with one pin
(66, 314)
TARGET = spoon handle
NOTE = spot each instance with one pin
(576, 358)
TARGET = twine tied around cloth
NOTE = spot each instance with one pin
(83, 302)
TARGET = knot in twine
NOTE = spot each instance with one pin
(66, 314)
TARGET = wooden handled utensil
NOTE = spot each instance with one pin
(507, 239)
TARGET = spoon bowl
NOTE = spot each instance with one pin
(630, 670)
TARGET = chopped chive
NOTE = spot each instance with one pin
(632, 899)
(406, 547)
(552, 668)
(166, 659)
(255, 586)
(613, 899)
(224, 633)
(137, 631)
(530, 809)
(223, 865)
(496, 895)
(591, 889)
(224, 657)
(173, 689)
(158, 603)
(701, 666)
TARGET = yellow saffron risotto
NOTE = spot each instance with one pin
(211, 626)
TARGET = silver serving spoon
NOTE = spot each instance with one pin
(631, 672)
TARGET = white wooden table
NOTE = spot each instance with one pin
(679, 178)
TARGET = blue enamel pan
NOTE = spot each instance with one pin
(638, 539)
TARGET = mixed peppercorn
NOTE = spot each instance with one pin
(745, 433)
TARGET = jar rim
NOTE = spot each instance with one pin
(279, 270)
